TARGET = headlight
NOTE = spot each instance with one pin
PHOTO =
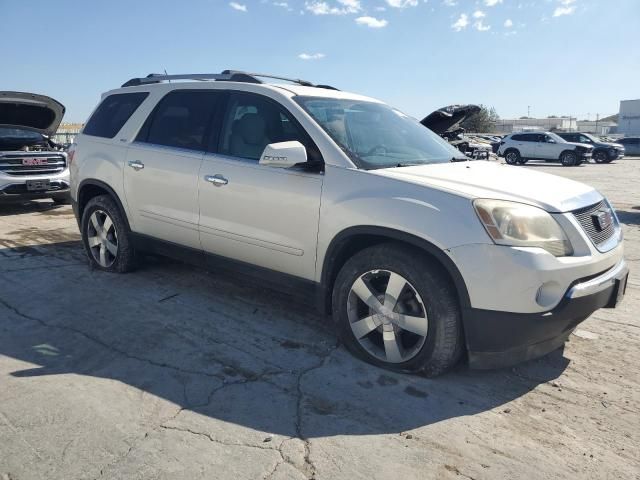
(520, 225)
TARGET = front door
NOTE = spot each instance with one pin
(261, 215)
(161, 173)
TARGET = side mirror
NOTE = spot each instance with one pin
(283, 154)
(550, 140)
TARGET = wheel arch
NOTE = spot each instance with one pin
(354, 239)
(90, 188)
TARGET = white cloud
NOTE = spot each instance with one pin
(450, 3)
(371, 22)
(402, 3)
(559, 11)
(311, 56)
(479, 14)
(317, 7)
(238, 6)
(481, 27)
(380, 9)
(508, 23)
(461, 23)
(492, 3)
(281, 4)
(566, 7)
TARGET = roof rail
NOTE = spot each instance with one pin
(226, 75)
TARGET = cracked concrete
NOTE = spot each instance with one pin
(173, 372)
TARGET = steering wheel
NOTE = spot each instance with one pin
(375, 149)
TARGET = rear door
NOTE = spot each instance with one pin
(525, 143)
(261, 215)
(161, 174)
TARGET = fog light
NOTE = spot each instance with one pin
(548, 294)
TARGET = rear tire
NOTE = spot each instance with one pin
(569, 159)
(512, 157)
(419, 330)
(106, 236)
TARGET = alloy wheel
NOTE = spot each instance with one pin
(102, 238)
(387, 316)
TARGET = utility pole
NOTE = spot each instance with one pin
(597, 118)
(528, 111)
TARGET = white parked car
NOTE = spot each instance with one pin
(418, 254)
(518, 148)
(31, 164)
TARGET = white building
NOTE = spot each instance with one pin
(505, 125)
(629, 118)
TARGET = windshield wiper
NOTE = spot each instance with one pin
(458, 159)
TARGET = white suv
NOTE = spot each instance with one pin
(517, 148)
(418, 254)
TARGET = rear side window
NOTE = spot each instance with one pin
(182, 119)
(524, 138)
(113, 113)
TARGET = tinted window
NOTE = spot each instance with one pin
(113, 113)
(252, 122)
(182, 119)
(525, 137)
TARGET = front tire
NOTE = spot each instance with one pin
(106, 237)
(601, 156)
(395, 308)
(569, 159)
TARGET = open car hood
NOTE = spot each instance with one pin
(32, 111)
(448, 118)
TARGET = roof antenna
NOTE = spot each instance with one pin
(165, 72)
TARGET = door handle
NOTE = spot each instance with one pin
(217, 179)
(136, 165)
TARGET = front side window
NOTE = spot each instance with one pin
(375, 135)
(113, 113)
(557, 138)
(252, 122)
(182, 119)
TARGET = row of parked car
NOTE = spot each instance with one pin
(568, 148)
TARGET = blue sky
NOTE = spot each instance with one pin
(577, 57)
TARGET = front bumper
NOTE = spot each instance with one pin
(616, 154)
(499, 339)
(17, 192)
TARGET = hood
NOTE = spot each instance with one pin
(497, 181)
(448, 118)
(31, 111)
(586, 146)
(609, 145)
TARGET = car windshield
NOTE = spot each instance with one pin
(375, 135)
(17, 133)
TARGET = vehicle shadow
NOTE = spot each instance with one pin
(16, 208)
(224, 347)
(629, 217)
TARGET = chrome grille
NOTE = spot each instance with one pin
(11, 164)
(587, 218)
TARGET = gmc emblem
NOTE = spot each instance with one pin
(602, 220)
